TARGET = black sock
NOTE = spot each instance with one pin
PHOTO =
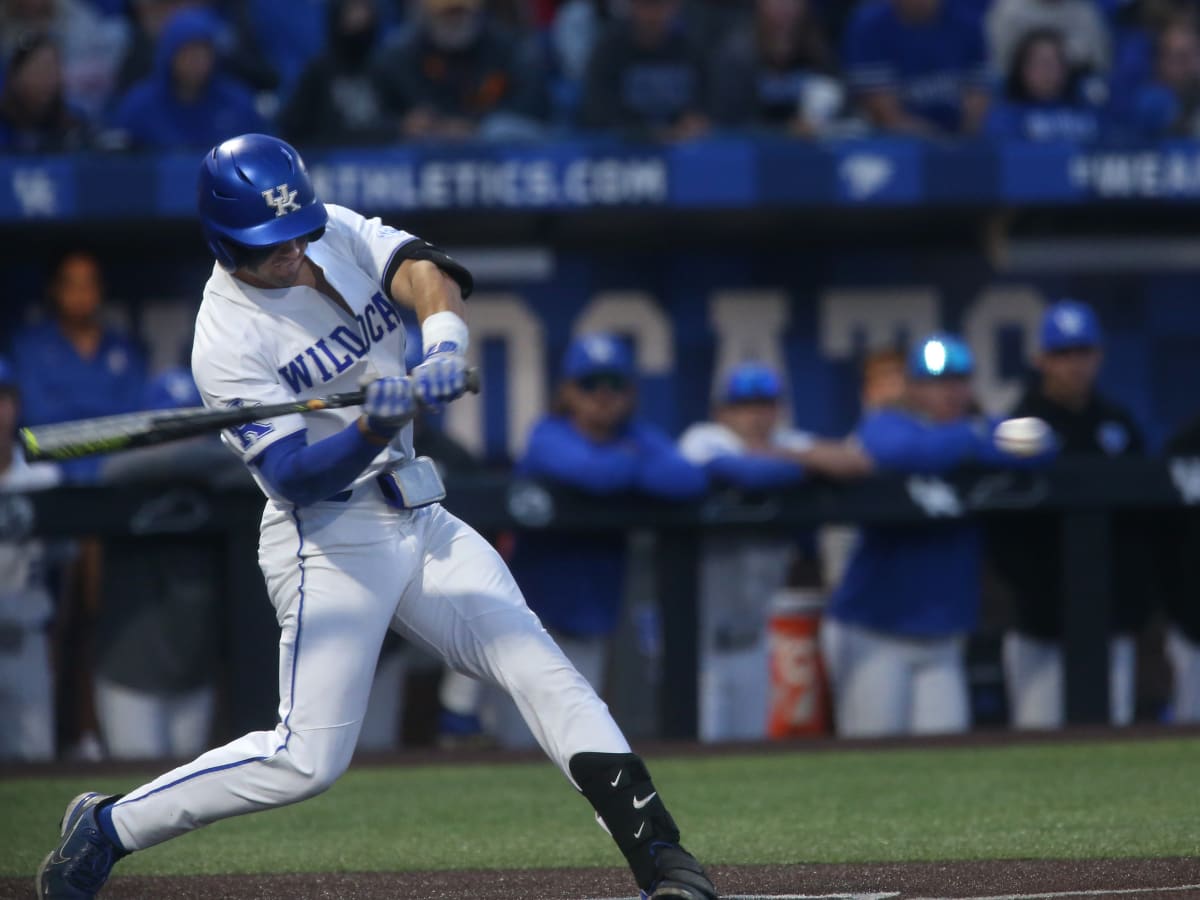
(619, 788)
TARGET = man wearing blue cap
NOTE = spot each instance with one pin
(26, 607)
(746, 447)
(894, 633)
(1063, 393)
(592, 442)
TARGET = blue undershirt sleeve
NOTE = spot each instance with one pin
(304, 473)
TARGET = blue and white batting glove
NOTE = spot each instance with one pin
(390, 403)
(442, 377)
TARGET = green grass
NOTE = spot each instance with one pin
(1070, 800)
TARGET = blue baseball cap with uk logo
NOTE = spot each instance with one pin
(1070, 325)
(592, 354)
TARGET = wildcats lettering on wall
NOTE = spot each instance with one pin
(691, 316)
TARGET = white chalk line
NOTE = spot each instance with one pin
(886, 895)
(1100, 892)
(1051, 895)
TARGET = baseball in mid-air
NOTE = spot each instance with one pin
(1026, 436)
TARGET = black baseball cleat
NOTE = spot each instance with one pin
(78, 867)
(679, 876)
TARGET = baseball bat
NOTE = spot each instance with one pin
(109, 434)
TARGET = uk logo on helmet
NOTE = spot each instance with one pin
(283, 200)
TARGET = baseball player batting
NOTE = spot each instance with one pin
(353, 541)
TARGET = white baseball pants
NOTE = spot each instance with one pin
(1184, 659)
(339, 575)
(1035, 678)
(507, 723)
(139, 725)
(885, 684)
(735, 693)
(27, 700)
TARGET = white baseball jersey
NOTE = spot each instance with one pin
(256, 346)
(738, 578)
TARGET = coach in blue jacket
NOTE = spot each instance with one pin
(896, 626)
(592, 442)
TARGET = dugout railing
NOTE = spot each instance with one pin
(1085, 493)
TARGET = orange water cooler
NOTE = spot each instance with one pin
(799, 692)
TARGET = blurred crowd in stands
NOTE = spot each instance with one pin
(162, 74)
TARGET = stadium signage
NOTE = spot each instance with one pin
(1138, 175)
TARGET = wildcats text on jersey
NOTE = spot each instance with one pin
(336, 352)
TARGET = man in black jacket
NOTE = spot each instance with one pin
(457, 74)
(1178, 542)
(648, 76)
(337, 100)
(1028, 551)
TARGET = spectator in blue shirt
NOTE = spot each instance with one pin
(593, 442)
(895, 630)
(647, 76)
(778, 71)
(1170, 104)
(918, 66)
(1041, 101)
(186, 102)
(289, 33)
(35, 116)
(73, 366)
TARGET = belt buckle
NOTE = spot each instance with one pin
(414, 484)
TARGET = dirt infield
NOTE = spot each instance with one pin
(1010, 879)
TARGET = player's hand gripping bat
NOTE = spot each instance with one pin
(87, 437)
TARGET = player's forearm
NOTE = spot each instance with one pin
(421, 284)
(304, 473)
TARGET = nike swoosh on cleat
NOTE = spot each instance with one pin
(638, 833)
(618, 778)
(638, 804)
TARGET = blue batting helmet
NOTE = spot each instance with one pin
(254, 191)
(941, 355)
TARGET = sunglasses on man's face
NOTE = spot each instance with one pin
(592, 383)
